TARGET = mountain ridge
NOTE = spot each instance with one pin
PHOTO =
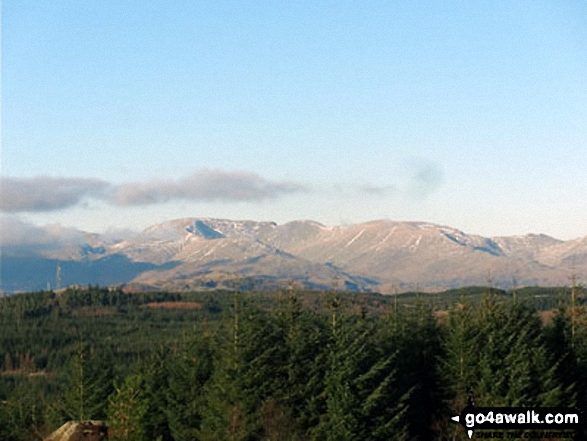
(380, 255)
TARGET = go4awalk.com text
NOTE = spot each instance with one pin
(520, 422)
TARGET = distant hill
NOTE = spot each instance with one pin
(382, 255)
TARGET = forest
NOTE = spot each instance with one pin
(287, 364)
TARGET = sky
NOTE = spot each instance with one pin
(120, 114)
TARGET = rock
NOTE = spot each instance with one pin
(80, 431)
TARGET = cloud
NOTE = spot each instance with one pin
(377, 190)
(19, 235)
(353, 190)
(426, 178)
(203, 185)
(422, 178)
(42, 194)
(47, 194)
(16, 233)
(116, 234)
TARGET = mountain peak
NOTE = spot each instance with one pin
(378, 255)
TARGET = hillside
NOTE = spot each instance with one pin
(382, 256)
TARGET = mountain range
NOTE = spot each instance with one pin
(382, 256)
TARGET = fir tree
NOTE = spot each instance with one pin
(363, 400)
(127, 409)
(305, 363)
(414, 336)
(230, 404)
(458, 363)
(156, 386)
(188, 371)
(514, 366)
(90, 383)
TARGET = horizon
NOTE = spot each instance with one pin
(120, 116)
(16, 232)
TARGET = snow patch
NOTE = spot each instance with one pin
(354, 238)
(378, 246)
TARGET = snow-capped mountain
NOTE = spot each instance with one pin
(379, 256)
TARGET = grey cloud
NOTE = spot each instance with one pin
(377, 190)
(426, 179)
(368, 190)
(204, 185)
(50, 194)
(46, 193)
(116, 234)
(16, 233)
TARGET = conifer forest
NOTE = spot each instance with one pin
(286, 365)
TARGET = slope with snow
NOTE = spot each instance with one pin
(380, 255)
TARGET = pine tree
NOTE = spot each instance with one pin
(187, 373)
(88, 386)
(156, 386)
(514, 363)
(414, 335)
(127, 409)
(233, 393)
(22, 412)
(458, 363)
(363, 400)
(305, 364)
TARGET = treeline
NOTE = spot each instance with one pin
(289, 366)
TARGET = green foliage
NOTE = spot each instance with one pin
(275, 366)
(127, 409)
(503, 355)
(155, 375)
(246, 371)
(24, 407)
(458, 364)
(306, 336)
(90, 383)
(187, 373)
(363, 397)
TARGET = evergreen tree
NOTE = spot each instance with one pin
(230, 404)
(363, 400)
(188, 371)
(413, 335)
(156, 386)
(515, 369)
(305, 364)
(457, 365)
(127, 408)
(22, 414)
(89, 384)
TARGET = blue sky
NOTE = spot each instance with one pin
(120, 114)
